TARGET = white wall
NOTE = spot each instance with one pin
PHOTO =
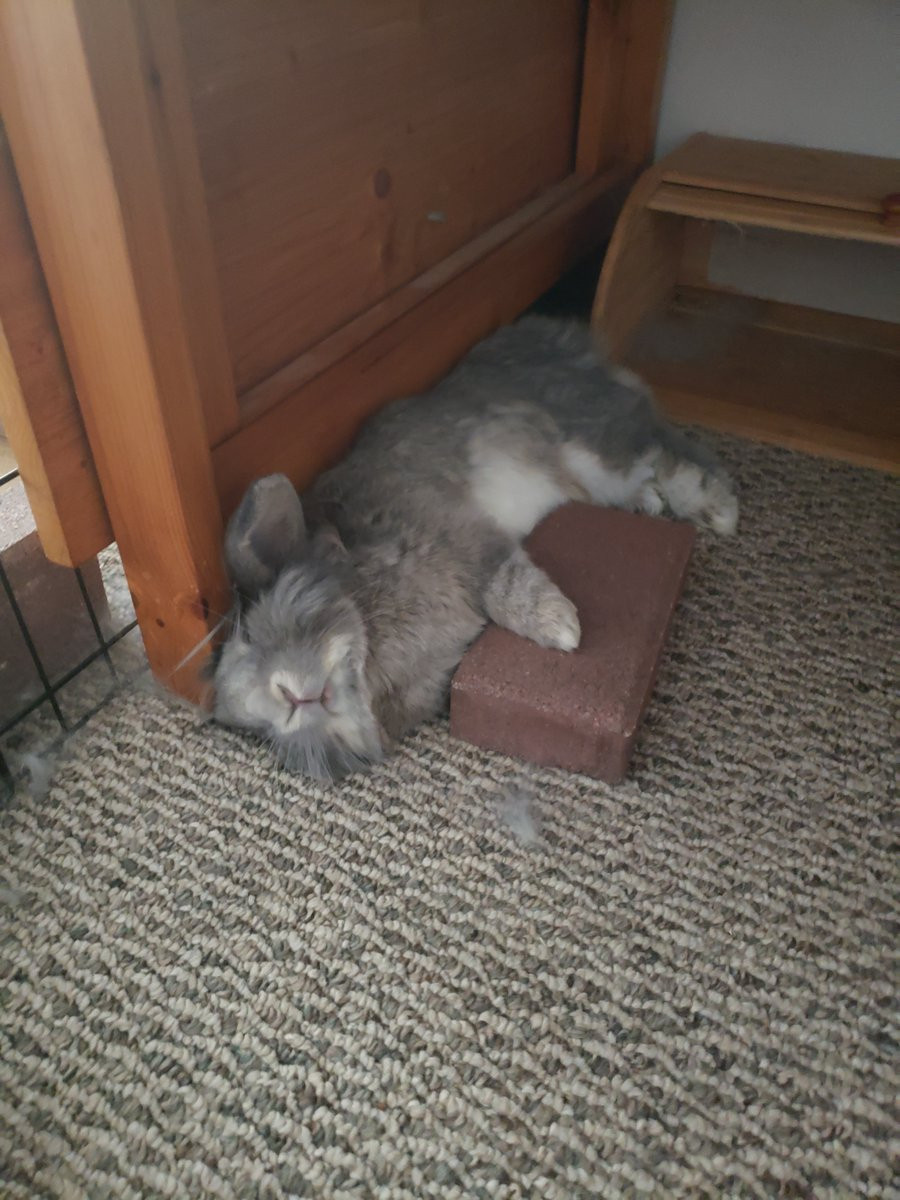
(811, 72)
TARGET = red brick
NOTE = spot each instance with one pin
(624, 573)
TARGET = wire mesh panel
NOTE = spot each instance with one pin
(68, 637)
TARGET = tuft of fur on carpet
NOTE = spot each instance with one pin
(220, 980)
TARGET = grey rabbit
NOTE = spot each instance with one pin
(357, 604)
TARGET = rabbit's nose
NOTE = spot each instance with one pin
(294, 700)
(295, 689)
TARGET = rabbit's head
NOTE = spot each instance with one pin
(292, 669)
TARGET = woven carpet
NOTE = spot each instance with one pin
(459, 977)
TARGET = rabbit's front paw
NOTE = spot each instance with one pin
(556, 623)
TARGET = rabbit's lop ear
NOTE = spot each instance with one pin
(265, 534)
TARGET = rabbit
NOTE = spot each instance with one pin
(356, 603)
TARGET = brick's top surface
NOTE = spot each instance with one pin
(624, 574)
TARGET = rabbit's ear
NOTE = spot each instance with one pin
(265, 534)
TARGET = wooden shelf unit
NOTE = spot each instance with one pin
(823, 382)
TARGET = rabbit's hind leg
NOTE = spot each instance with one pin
(693, 484)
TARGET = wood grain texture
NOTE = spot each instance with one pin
(811, 176)
(331, 349)
(821, 220)
(38, 405)
(79, 104)
(348, 147)
(624, 60)
(174, 171)
(814, 381)
(314, 425)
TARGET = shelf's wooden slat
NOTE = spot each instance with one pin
(772, 213)
(811, 176)
(723, 304)
(782, 375)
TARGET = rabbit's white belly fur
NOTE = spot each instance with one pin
(517, 495)
(513, 494)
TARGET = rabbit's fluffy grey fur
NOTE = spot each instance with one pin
(357, 604)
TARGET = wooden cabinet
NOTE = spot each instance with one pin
(245, 226)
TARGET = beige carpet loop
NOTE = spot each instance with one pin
(464, 979)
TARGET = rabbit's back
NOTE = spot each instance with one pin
(487, 446)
